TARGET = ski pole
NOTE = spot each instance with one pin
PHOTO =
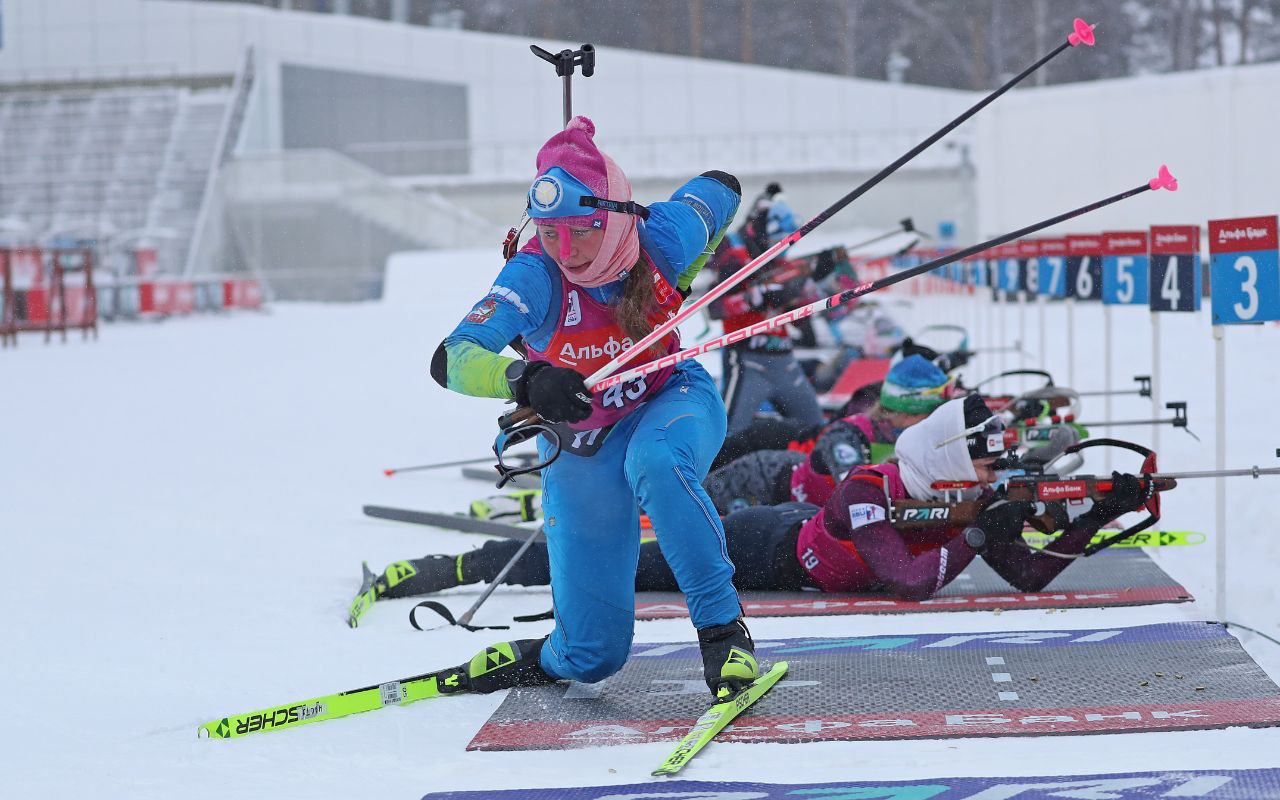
(905, 226)
(397, 470)
(1164, 181)
(465, 619)
(1082, 34)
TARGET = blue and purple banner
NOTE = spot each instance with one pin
(1252, 784)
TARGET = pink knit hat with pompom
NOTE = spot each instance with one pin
(574, 150)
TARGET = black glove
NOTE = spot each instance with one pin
(999, 522)
(1127, 494)
(558, 394)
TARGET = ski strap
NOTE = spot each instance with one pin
(550, 613)
(443, 610)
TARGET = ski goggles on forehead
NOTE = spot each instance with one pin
(556, 194)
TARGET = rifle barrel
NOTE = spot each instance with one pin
(1251, 472)
(1128, 422)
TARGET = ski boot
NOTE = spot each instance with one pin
(728, 658)
(499, 666)
(405, 579)
(524, 505)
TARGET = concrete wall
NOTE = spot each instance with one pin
(1048, 150)
(929, 196)
(513, 98)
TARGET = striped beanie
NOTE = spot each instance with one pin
(915, 385)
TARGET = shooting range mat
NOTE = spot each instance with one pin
(1182, 675)
(1245, 784)
(1110, 578)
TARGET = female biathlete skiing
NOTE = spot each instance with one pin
(849, 543)
(601, 273)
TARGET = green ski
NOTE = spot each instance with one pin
(715, 718)
(365, 598)
(1139, 539)
(331, 706)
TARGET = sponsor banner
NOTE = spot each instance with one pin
(241, 293)
(1062, 490)
(146, 262)
(1175, 239)
(26, 268)
(79, 310)
(1084, 245)
(1243, 235)
(1256, 784)
(1124, 243)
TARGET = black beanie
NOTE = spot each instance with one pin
(988, 438)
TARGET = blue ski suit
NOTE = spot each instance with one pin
(655, 457)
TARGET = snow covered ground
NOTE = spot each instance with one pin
(181, 524)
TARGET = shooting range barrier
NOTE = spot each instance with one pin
(1175, 676)
(1110, 578)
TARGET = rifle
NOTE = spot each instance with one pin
(1053, 496)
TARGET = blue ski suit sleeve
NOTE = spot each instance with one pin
(681, 233)
(518, 305)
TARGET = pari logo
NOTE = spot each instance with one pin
(545, 194)
(918, 514)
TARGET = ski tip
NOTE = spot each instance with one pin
(1163, 180)
(388, 472)
(1082, 34)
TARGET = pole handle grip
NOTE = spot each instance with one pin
(517, 416)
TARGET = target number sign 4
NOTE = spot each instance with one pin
(1174, 280)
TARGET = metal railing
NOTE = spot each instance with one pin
(655, 156)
